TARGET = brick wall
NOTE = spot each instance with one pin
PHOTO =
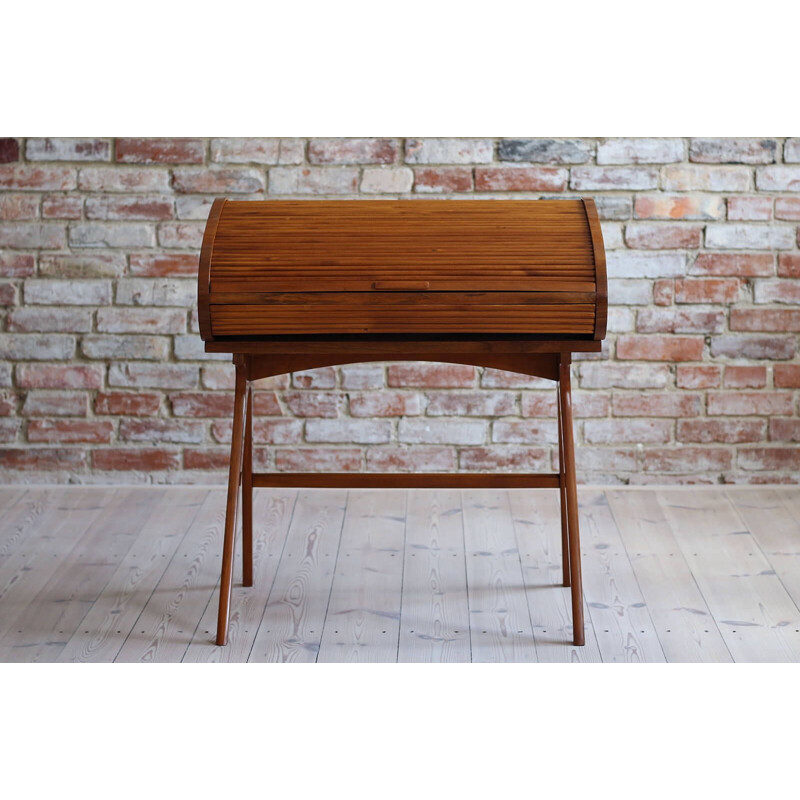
(103, 375)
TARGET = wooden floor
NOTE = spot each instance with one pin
(131, 574)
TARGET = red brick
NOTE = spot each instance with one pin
(663, 236)
(787, 208)
(431, 376)
(750, 208)
(19, 206)
(704, 377)
(510, 458)
(784, 429)
(680, 320)
(712, 290)
(16, 265)
(745, 377)
(442, 179)
(765, 319)
(160, 151)
(218, 181)
(726, 431)
(317, 404)
(664, 292)
(668, 404)
(788, 265)
(60, 206)
(265, 431)
(70, 430)
(322, 378)
(352, 151)
(520, 179)
(127, 458)
(756, 265)
(586, 404)
(411, 459)
(161, 265)
(265, 404)
(773, 458)
(9, 150)
(786, 376)
(525, 431)
(750, 403)
(59, 179)
(58, 376)
(39, 459)
(8, 404)
(51, 404)
(660, 348)
(471, 404)
(123, 179)
(206, 458)
(385, 404)
(9, 428)
(687, 459)
(329, 459)
(128, 403)
(8, 294)
(122, 207)
(680, 206)
(202, 404)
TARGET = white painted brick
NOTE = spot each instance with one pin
(36, 347)
(449, 151)
(726, 236)
(620, 319)
(442, 431)
(68, 293)
(65, 149)
(625, 264)
(640, 151)
(313, 180)
(157, 292)
(596, 375)
(147, 348)
(363, 431)
(778, 179)
(387, 181)
(630, 291)
(707, 179)
(98, 234)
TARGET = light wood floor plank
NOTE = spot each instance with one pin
(17, 522)
(167, 623)
(272, 514)
(755, 615)
(685, 626)
(363, 618)
(9, 495)
(291, 628)
(622, 623)
(434, 620)
(115, 612)
(537, 525)
(500, 623)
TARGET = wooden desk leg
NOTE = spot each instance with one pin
(237, 450)
(247, 493)
(562, 494)
(565, 395)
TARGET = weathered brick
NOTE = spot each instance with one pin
(206, 458)
(398, 180)
(788, 265)
(175, 431)
(322, 378)
(727, 431)
(680, 320)
(630, 292)
(431, 376)
(786, 376)
(622, 264)
(712, 290)
(35, 177)
(49, 320)
(520, 179)
(8, 294)
(698, 377)
(68, 293)
(449, 151)
(218, 181)
(777, 291)
(126, 458)
(772, 458)
(640, 151)
(411, 459)
(352, 151)
(81, 265)
(265, 431)
(185, 235)
(9, 150)
(384, 404)
(364, 431)
(362, 376)
(662, 236)
(325, 404)
(660, 348)
(749, 237)
(140, 320)
(431, 180)
(682, 178)
(19, 206)
(62, 206)
(585, 404)
(220, 376)
(525, 431)
(750, 208)
(131, 404)
(749, 403)
(740, 377)
(593, 459)
(70, 431)
(51, 404)
(765, 319)
(608, 178)
(160, 151)
(503, 459)
(120, 179)
(246, 151)
(502, 379)
(67, 150)
(733, 151)
(32, 235)
(190, 347)
(753, 347)
(313, 180)
(613, 206)
(743, 265)
(612, 235)
(39, 459)
(778, 179)
(164, 265)
(679, 206)
(16, 265)
(668, 404)
(149, 348)
(791, 150)
(59, 376)
(124, 207)
(664, 291)
(101, 234)
(784, 429)
(442, 431)
(787, 208)
(192, 206)
(471, 404)
(687, 459)
(32, 347)
(157, 292)
(623, 376)
(546, 151)
(309, 459)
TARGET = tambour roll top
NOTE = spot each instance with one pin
(434, 267)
